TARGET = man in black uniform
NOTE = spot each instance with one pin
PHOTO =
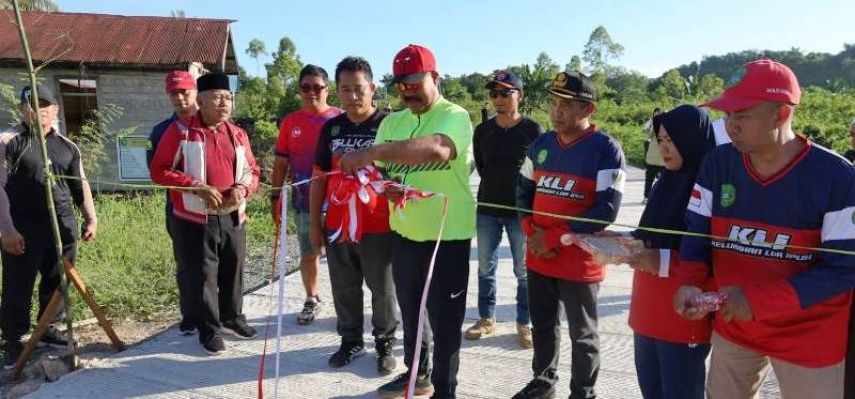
(500, 145)
(368, 258)
(25, 227)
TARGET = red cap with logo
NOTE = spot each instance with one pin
(179, 80)
(411, 63)
(759, 81)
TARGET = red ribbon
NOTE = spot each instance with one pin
(351, 198)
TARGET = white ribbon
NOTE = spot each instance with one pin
(414, 370)
(282, 265)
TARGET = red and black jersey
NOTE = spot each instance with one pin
(800, 297)
(582, 178)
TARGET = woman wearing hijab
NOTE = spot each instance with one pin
(669, 350)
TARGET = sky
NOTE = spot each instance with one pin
(481, 36)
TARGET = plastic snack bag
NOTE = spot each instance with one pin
(610, 249)
(708, 301)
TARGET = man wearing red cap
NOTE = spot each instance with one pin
(427, 146)
(777, 207)
(181, 90)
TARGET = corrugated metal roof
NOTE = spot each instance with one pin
(114, 40)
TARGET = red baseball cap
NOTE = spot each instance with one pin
(759, 81)
(411, 64)
(178, 80)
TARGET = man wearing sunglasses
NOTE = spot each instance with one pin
(500, 144)
(295, 156)
(427, 146)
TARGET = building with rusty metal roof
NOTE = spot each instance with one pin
(99, 62)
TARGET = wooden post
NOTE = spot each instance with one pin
(51, 310)
(44, 322)
(96, 309)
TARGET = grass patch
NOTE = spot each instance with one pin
(130, 266)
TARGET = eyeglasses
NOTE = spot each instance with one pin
(311, 88)
(505, 93)
(402, 87)
(220, 97)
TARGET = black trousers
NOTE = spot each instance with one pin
(186, 279)
(210, 259)
(446, 305)
(849, 382)
(350, 264)
(19, 275)
(651, 172)
(580, 306)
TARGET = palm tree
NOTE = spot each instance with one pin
(31, 5)
(256, 48)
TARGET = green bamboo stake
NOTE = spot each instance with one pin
(49, 182)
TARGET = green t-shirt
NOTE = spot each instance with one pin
(419, 221)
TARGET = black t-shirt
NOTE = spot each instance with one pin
(340, 136)
(499, 154)
(25, 184)
(850, 155)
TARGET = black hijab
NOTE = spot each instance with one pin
(692, 133)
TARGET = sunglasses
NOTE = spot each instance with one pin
(505, 93)
(311, 88)
(402, 87)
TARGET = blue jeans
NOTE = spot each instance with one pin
(489, 237)
(669, 370)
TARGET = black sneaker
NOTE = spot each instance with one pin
(239, 329)
(215, 345)
(346, 353)
(53, 338)
(396, 387)
(386, 362)
(186, 327)
(310, 310)
(13, 351)
(536, 389)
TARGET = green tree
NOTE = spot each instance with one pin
(673, 85)
(575, 64)
(256, 49)
(282, 75)
(536, 79)
(453, 90)
(474, 83)
(31, 5)
(9, 103)
(601, 50)
(709, 86)
(628, 87)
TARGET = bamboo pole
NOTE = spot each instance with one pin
(49, 182)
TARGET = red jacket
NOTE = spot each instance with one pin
(180, 161)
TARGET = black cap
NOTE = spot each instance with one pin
(574, 85)
(213, 81)
(505, 79)
(44, 93)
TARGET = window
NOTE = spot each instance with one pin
(79, 99)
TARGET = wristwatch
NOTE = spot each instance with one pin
(566, 239)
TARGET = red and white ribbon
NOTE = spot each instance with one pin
(350, 198)
(355, 194)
